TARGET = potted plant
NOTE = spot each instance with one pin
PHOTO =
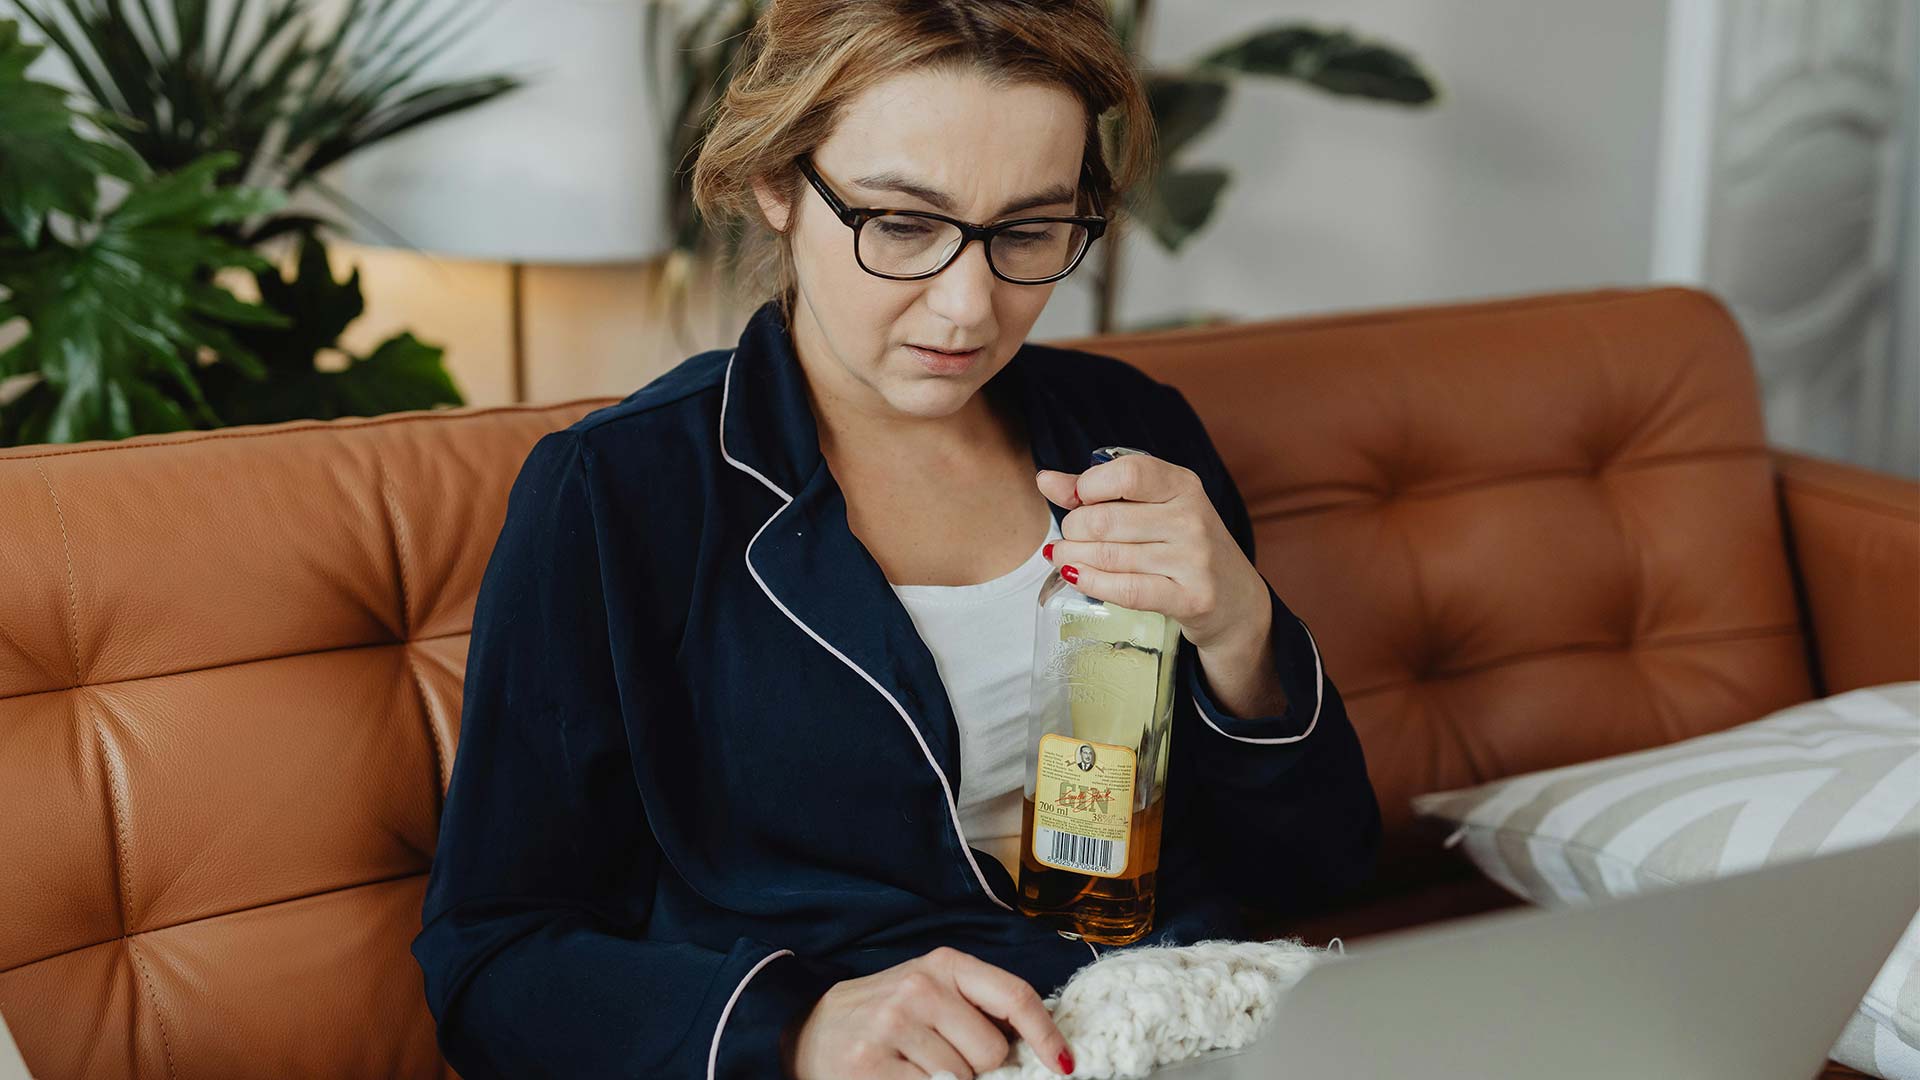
(232, 112)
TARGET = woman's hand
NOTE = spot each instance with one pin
(1141, 532)
(934, 1012)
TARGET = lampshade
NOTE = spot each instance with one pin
(569, 168)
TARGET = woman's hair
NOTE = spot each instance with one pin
(804, 61)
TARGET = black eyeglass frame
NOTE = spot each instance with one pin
(855, 217)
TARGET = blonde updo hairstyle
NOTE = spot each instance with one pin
(803, 61)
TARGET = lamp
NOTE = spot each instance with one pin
(566, 169)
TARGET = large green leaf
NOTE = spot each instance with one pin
(1181, 203)
(1183, 107)
(1335, 61)
(291, 90)
(111, 320)
(402, 373)
(46, 166)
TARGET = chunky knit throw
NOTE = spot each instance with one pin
(1136, 1009)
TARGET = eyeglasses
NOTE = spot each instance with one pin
(907, 245)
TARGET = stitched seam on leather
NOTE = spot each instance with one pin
(396, 533)
(433, 729)
(244, 662)
(159, 1017)
(1675, 382)
(1364, 496)
(115, 781)
(73, 596)
(1461, 743)
(1654, 461)
(248, 910)
(250, 660)
(115, 784)
(1673, 641)
(345, 423)
(393, 525)
(1602, 479)
(116, 813)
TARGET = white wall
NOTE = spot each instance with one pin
(1579, 145)
(1789, 124)
(1901, 451)
(1535, 171)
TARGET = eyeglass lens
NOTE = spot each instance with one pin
(907, 244)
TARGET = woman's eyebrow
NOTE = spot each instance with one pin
(893, 181)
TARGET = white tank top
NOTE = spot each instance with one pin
(981, 638)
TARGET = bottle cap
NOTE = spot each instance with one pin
(1108, 453)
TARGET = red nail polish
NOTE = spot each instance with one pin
(1047, 552)
(1071, 573)
(1066, 1062)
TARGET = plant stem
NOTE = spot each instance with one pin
(1107, 280)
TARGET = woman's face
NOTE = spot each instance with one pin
(984, 148)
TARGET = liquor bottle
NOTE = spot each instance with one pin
(1096, 760)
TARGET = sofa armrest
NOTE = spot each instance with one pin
(1854, 537)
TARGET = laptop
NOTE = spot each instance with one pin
(1752, 975)
(12, 1067)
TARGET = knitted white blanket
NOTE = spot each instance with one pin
(1134, 1010)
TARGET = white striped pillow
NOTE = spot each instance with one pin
(1816, 777)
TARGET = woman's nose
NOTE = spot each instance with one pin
(963, 292)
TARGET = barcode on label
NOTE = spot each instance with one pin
(1076, 852)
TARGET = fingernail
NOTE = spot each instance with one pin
(1047, 552)
(1071, 573)
(1066, 1062)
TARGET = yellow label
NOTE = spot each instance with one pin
(1083, 805)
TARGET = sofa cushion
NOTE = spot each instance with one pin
(1820, 776)
(1493, 512)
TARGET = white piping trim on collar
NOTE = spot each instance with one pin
(713, 1052)
(1088, 942)
(1319, 690)
(953, 809)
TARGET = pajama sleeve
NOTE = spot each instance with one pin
(533, 942)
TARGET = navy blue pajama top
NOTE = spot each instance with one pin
(707, 766)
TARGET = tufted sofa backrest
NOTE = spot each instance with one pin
(230, 673)
(1524, 532)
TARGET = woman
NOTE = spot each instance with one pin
(721, 764)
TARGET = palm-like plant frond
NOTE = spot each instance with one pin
(284, 92)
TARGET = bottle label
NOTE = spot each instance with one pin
(1083, 805)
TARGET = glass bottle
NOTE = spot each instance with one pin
(1096, 760)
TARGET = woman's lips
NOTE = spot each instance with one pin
(945, 363)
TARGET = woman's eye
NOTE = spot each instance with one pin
(1023, 237)
(896, 229)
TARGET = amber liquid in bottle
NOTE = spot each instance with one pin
(1111, 910)
(1098, 731)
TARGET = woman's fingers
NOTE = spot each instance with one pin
(1167, 560)
(970, 1032)
(1140, 592)
(928, 1050)
(1001, 993)
(922, 1002)
(1133, 523)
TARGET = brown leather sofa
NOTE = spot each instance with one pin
(1526, 532)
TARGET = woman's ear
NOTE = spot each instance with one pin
(772, 207)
